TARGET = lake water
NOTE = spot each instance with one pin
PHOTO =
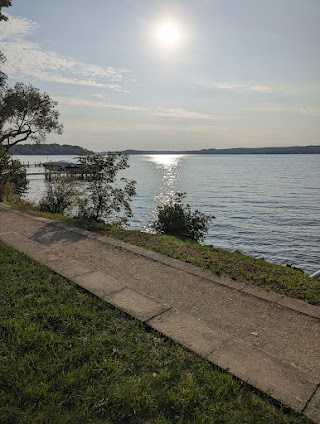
(267, 206)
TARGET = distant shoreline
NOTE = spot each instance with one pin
(232, 151)
(56, 149)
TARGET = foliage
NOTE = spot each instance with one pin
(176, 218)
(26, 114)
(12, 176)
(4, 3)
(106, 197)
(48, 149)
(104, 367)
(2, 75)
(61, 192)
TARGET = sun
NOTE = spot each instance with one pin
(168, 34)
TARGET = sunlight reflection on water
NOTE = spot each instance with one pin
(265, 205)
(170, 167)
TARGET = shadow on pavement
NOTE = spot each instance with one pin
(51, 234)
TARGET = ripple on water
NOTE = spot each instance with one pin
(265, 205)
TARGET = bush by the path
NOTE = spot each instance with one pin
(177, 219)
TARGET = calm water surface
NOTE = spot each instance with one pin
(265, 205)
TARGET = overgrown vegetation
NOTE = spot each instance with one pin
(102, 197)
(177, 219)
(106, 197)
(13, 179)
(240, 267)
(67, 357)
(61, 193)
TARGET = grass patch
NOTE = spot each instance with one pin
(67, 357)
(240, 267)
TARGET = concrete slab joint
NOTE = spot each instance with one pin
(312, 409)
(136, 304)
(98, 283)
(189, 331)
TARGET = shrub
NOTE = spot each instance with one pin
(13, 180)
(61, 193)
(106, 197)
(177, 219)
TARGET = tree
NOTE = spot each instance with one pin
(4, 3)
(2, 75)
(12, 176)
(26, 114)
(106, 197)
(175, 218)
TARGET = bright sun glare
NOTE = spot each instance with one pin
(168, 34)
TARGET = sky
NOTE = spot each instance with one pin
(171, 75)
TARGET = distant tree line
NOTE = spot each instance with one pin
(235, 151)
(265, 150)
(47, 149)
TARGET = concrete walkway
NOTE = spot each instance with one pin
(266, 339)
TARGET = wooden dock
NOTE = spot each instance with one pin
(66, 168)
(49, 169)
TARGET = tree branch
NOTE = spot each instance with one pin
(8, 145)
(14, 133)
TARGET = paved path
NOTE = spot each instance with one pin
(269, 340)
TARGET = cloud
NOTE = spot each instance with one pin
(94, 128)
(82, 102)
(304, 110)
(309, 111)
(183, 114)
(228, 86)
(27, 60)
(98, 96)
(177, 114)
(17, 28)
(113, 135)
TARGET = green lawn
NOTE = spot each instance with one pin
(240, 267)
(67, 357)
